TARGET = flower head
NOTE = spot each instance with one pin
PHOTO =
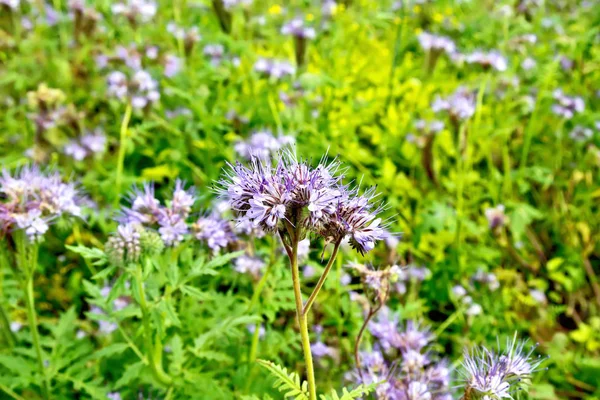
(214, 231)
(460, 105)
(490, 375)
(33, 199)
(298, 28)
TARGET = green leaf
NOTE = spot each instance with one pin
(356, 393)
(96, 256)
(131, 372)
(287, 383)
(110, 350)
(194, 292)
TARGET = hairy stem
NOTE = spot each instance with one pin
(302, 320)
(321, 281)
(28, 260)
(157, 370)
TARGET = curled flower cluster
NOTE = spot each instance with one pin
(262, 144)
(435, 43)
(273, 68)
(141, 89)
(460, 105)
(87, 145)
(403, 361)
(171, 220)
(377, 281)
(567, 106)
(298, 28)
(33, 199)
(494, 376)
(488, 60)
(292, 195)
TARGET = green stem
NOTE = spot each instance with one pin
(121, 156)
(254, 345)
(10, 336)
(33, 326)
(4, 265)
(302, 320)
(159, 374)
(10, 392)
(321, 281)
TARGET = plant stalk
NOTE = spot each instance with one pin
(302, 320)
(121, 156)
(157, 370)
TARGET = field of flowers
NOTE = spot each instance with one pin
(310, 199)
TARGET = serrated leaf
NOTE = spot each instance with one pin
(194, 292)
(131, 372)
(110, 350)
(96, 256)
(287, 383)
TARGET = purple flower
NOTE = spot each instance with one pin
(431, 42)
(32, 199)
(460, 105)
(487, 60)
(134, 10)
(292, 192)
(262, 144)
(124, 246)
(320, 350)
(567, 106)
(173, 65)
(275, 69)
(214, 231)
(75, 150)
(495, 216)
(173, 227)
(298, 28)
(497, 376)
(249, 265)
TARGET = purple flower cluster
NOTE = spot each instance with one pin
(298, 28)
(214, 231)
(249, 265)
(567, 106)
(171, 219)
(460, 105)
(135, 10)
(435, 43)
(403, 361)
(275, 69)
(87, 145)
(293, 195)
(262, 144)
(492, 59)
(32, 199)
(491, 375)
(141, 89)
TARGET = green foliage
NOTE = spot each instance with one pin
(287, 383)
(356, 393)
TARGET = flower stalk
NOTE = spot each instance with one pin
(154, 352)
(27, 254)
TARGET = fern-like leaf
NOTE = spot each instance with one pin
(287, 383)
(356, 393)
